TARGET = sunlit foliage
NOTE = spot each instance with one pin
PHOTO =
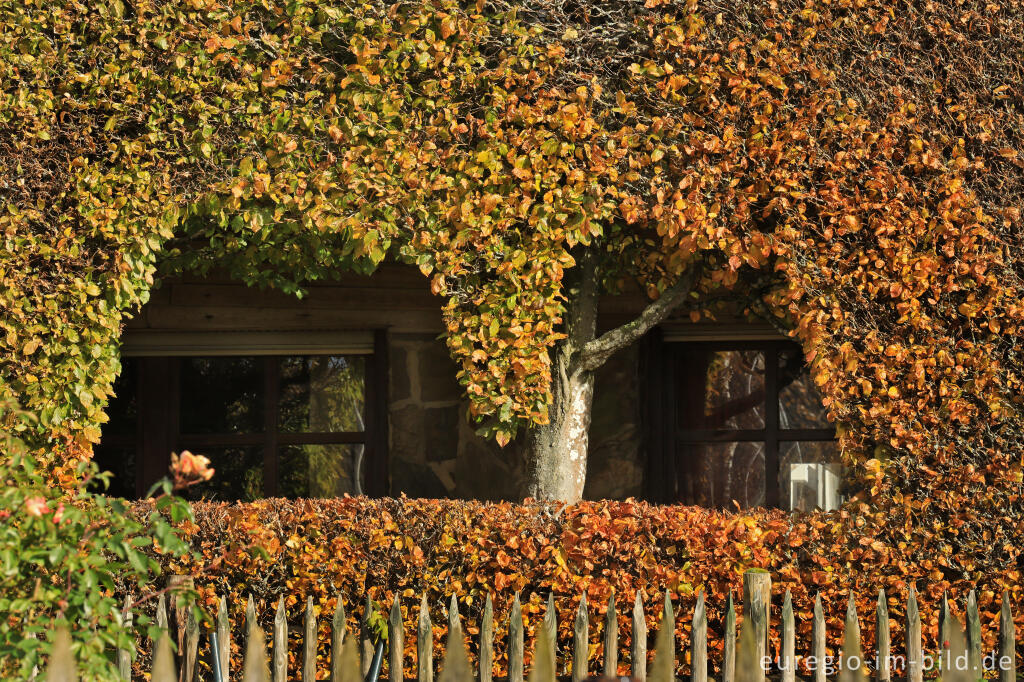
(852, 168)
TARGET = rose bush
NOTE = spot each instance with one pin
(67, 558)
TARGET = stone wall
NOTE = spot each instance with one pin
(436, 453)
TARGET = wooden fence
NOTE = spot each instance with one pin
(351, 657)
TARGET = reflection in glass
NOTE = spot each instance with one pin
(238, 475)
(723, 390)
(222, 395)
(799, 401)
(227, 412)
(322, 394)
(809, 475)
(721, 473)
(322, 470)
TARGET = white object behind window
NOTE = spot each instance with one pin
(814, 485)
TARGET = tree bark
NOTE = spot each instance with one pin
(556, 452)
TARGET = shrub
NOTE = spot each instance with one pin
(65, 556)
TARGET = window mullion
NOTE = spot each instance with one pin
(271, 390)
(375, 401)
(140, 430)
(771, 423)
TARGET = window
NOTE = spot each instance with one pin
(272, 425)
(738, 423)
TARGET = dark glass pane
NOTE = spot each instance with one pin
(322, 394)
(238, 475)
(222, 395)
(721, 389)
(799, 401)
(722, 474)
(119, 461)
(123, 408)
(119, 438)
(322, 470)
(809, 475)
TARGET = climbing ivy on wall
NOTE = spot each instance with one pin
(857, 168)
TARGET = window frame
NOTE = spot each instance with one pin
(158, 427)
(663, 434)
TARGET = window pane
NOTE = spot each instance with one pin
(238, 475)
(116, 450)
(119, 461)
(322, 470)
(322, 394)
(809, 475)
(722, 389)
(222, 395)
(123, 408)
(799, 401)
(717, 474)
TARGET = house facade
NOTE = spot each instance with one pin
(350, 390)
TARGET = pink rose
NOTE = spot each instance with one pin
(36, 506)
(188, 468)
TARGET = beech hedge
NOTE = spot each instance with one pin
(349, 548)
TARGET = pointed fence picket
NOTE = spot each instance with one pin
(788, 662)
(396, 642)
(699, 642)
(729, 643)
(580, 642)
(914, 646)
(309, 641)
(515, 642)
(818, 639)
(639, 647)
(740, 662)
(487, 642)
(279, 666)
(882, 638)
(337, 641)
(425, 644)
(124, 656)
(1007, 637)
(365, 636)
(223, 626)
(757, 587)
(611, 639)
(550, 630)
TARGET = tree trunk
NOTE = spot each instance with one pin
(557, 451)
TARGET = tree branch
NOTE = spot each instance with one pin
(596, 352)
